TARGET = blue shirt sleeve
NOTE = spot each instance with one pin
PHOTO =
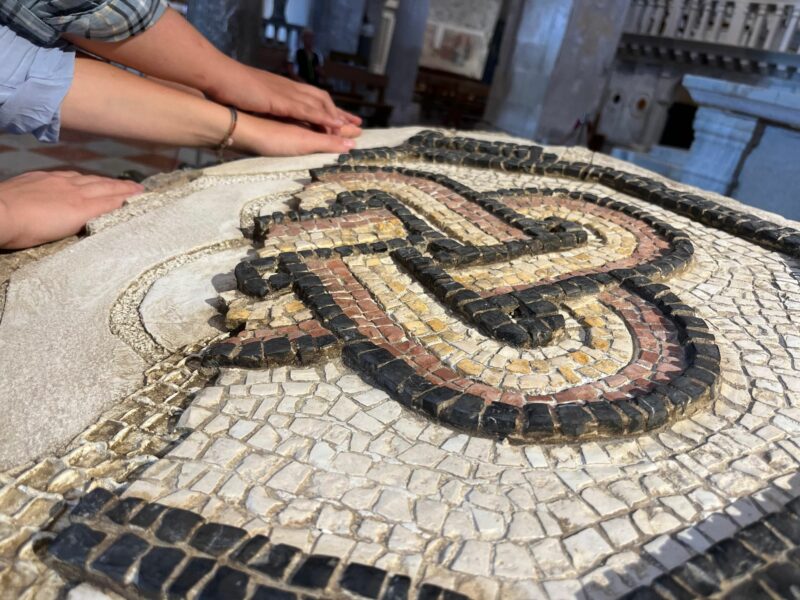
(33, 84)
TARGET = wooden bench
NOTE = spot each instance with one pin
(274, 58)
(450, 99)
(346, 58)
(359, 91)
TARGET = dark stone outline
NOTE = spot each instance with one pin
(433, 146)
(544, 236)
(106, 545)
(536, 320)
(761, 560)
(681, 396)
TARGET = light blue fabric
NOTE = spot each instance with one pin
(33, 84)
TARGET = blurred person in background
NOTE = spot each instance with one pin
(308, 61)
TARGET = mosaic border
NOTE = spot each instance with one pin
(142, 549)
(761, 560)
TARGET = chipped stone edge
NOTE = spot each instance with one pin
(125, 320)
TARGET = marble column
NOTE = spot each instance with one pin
(233, 26)
(554, 66)
(337, 25)
(382, 14)
(411, 17)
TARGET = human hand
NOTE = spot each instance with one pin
(268, 137)
(40, 207)
(262, 92)
(108, 101)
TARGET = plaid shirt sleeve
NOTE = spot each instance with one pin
(43, 22)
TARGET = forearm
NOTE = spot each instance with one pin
(106, 100)
(172, 50)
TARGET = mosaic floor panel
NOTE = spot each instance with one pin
(455, 368)
(487, 350)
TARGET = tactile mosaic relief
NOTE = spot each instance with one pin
(437, 294)
(457, 369)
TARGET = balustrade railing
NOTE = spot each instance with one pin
(768, 26)
(277, 30)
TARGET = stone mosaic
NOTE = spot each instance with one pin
(150, 545)
(759, 561)
(487, 351)
(454, 369)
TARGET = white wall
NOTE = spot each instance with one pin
(298, 12)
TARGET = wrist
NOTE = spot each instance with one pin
(208, 124)
(9, 229)
(244, 138)
(233, 76)
(227, 141)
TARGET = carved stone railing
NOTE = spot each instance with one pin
(711, 35)
(277, 30)
(769, 26)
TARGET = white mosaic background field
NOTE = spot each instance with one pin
(317, 459)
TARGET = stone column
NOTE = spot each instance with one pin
(554, 65)
(383, 17)
(337, 25)
(720, 141)
(233, 26)
(411, 18)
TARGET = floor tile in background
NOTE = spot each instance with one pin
(93, 154)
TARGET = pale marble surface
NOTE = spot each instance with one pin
(181, 308)
(62, 363)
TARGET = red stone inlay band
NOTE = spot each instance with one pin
(657, 356)
(471, 212)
